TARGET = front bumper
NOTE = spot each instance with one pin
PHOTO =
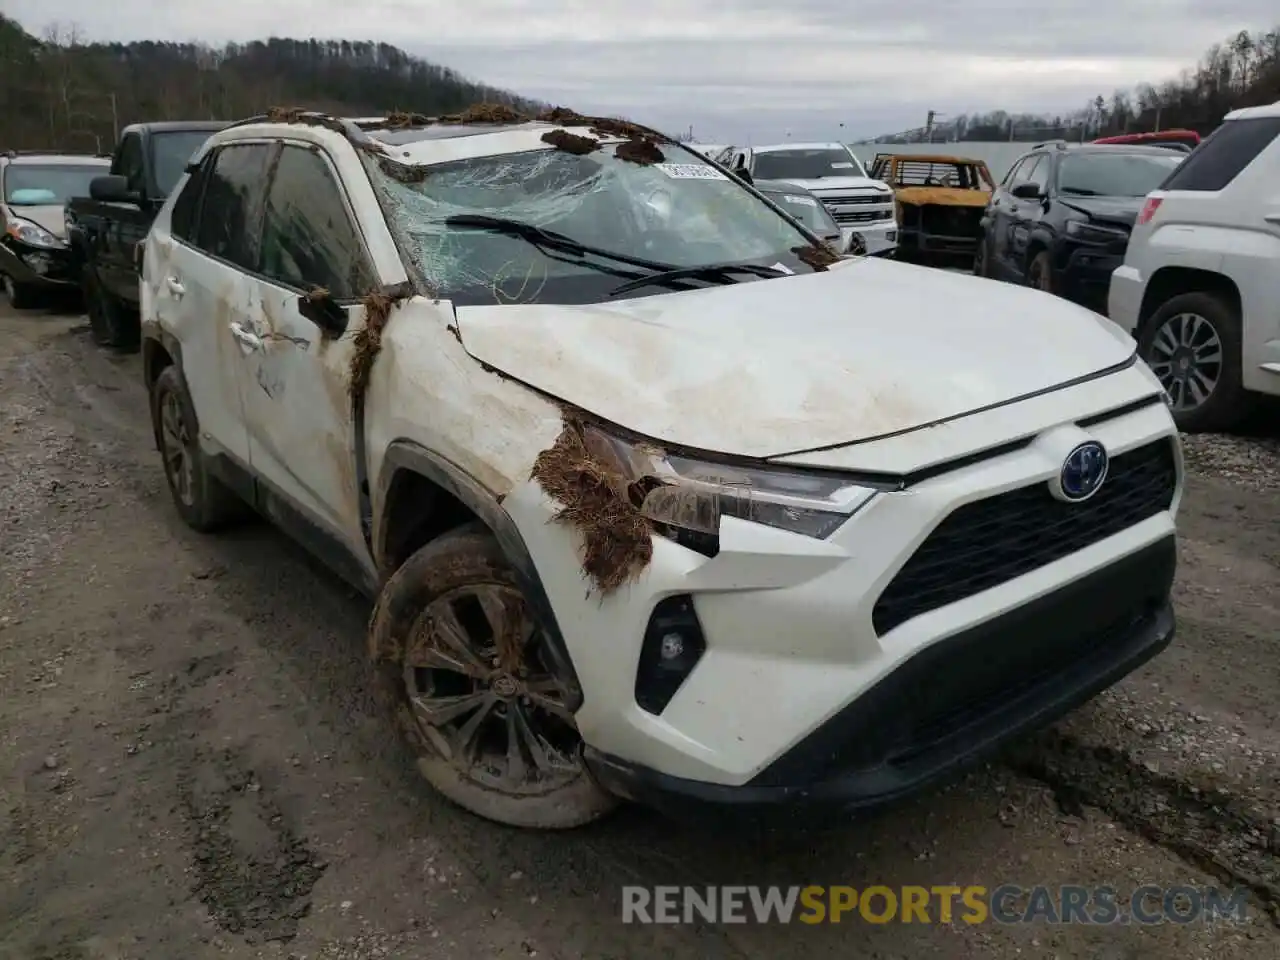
(947, 706)
(37, 266)
(1124, 299)
(881, 236)
(798, 631)
(1084, 274)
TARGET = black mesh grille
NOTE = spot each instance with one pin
(989, 542)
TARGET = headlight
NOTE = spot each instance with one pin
(1082, 230)
(684, 493)
(33, 234)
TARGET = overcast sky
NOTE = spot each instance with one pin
(736, 70)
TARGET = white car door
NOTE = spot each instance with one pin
(199, 287)
(298, 409)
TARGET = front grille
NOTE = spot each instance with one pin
(829, 199)
(989, 542)
(861, 216)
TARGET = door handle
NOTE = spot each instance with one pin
(175, 286)
(250, 340)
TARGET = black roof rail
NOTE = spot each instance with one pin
(1059, 144)
(311, 117)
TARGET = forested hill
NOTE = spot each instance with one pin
(59, 93)
(1241, 71)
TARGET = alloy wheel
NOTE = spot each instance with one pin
(1186, 355)
(175, 446)
(482, 697)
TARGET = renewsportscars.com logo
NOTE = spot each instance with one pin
(1006, 904)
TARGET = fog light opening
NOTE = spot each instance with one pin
(673, 645)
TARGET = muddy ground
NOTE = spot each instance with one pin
(191, 766)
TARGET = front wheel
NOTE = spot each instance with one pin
(460, 664)
(980, 267)
(20, 296)
(1193, 345)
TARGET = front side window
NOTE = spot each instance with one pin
(231, 214)
(677, 214)
(171, 151)
(41, 185)
(128, 163)
(308, 239)
(806, 164)
(1114, 174)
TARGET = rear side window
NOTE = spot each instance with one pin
(308, 239)
(186, 209)
(1224, 154)
(231, 214)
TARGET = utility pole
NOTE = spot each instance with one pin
(928, 126)
(115, 120)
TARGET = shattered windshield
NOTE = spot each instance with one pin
(587, 222)
(805, 164)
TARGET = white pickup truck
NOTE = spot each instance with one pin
(835, 176)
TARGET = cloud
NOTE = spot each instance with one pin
(736, 69)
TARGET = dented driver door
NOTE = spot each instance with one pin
(297, 407)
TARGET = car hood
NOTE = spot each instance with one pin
(49, 217)
(770, 367)
(1122, 210)
(830, 184)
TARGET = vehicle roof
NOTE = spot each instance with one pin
(779, 147)
(175, 126)
(1133, 148)
(1254, 113)
(445, 131)
(77, 159)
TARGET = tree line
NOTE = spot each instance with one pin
(1243, 71)
(59, 93)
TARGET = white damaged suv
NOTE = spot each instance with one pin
(658, 498)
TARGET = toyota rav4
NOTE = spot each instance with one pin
(658, 498)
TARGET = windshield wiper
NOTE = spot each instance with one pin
(715, 272)
(1080, 192)
(550, 239)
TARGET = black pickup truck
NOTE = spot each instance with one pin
(104, 229)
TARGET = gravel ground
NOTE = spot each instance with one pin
(190, 765)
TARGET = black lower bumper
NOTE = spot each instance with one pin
(1086, 276)
(37, 266)
(951, 704)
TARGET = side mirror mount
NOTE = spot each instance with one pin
(1027, 191)
(112, 188)
(324, 311)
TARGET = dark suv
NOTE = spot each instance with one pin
(1060, 221)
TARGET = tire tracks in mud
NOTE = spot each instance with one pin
(1207, 828)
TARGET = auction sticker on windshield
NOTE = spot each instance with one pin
(690, 171)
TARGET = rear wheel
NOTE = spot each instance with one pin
(203, 502)
(1193, 345)
(460, 664)
(980, 267)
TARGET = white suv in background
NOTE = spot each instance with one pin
(835, 176)
(1200, 284)
(659, 497)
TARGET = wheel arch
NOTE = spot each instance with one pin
(1173, 281)
(161, 350)
(422, 495)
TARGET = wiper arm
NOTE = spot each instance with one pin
(550, 239)
(716, 272)
(1080, 192)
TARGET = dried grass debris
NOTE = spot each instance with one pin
(368, 339)
(643, 152)
(816, 257)
(403, 120)
(285, 114)
(598, 497)
(499, 113)
(568, 142)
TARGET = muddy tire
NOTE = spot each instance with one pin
(1040, 272)
(19, 296)
(110, 322)
(457, 664)
(980, 267)
(1193, 344)
(203, 501)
